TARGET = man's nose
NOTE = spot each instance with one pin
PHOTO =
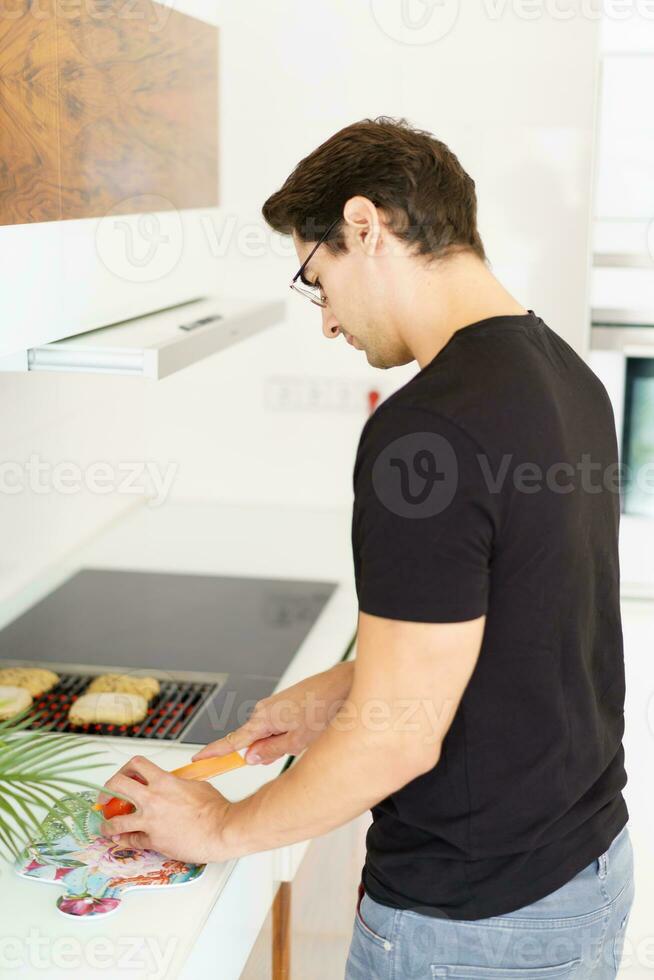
(330, 325)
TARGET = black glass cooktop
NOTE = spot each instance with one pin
(246, 628)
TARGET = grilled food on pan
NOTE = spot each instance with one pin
(13, 699)
(147, 687)
(108, 708)
(36, 680)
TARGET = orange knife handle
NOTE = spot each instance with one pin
(214, 766)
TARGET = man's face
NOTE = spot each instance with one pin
(359, 300)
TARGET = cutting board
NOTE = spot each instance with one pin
(93, 871)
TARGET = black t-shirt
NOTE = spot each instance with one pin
(488, 485)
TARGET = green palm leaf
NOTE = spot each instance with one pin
(36, 768)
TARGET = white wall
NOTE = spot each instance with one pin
(55, 429)
(497, 89)
(512, 95)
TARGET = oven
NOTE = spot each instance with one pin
(622, 355)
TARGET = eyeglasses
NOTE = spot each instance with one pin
(314, 293)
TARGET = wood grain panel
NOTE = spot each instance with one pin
(281, 950)
(29, 158)
(131, 94)
(138, 109)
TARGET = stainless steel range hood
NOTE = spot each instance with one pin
(155, 345)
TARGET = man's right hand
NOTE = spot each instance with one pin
(287, 722)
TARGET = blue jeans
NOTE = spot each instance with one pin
(576, 932)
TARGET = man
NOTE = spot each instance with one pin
(482, 719)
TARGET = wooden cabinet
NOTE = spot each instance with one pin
(108, 164)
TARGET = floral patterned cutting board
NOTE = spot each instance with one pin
(94, 871)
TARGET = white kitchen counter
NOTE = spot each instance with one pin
(207, 928)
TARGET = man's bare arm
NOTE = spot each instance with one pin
(408, 681)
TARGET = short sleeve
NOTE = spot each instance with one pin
(424, 519)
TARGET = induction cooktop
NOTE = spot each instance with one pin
(229, 639)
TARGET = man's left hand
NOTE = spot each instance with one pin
(180, 818)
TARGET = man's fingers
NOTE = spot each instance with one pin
(138, 771)
(240, 738)
(121, 785)
(129, 823)
(274, 716)
(146, 768)
(123, 771)
(269, 749)
(111, 788)
(138, 840)
(223, 746)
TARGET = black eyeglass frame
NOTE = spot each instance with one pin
(299, 274)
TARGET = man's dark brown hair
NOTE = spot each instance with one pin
(427, 196)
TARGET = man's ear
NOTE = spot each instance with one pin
(364, 225)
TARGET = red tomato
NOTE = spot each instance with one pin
(115, 807)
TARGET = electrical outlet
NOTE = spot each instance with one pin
(311, 394)
(282, 394)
